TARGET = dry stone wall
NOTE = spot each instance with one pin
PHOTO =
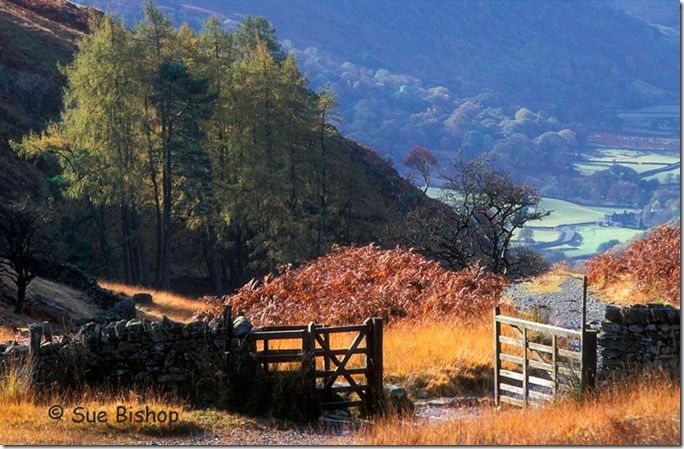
(640, 336)
(141, 352)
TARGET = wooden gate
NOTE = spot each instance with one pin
(536, 362)
(328, 368)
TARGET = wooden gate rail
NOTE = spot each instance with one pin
(315, 345)
(543, 366)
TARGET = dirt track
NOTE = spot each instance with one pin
(562, 308)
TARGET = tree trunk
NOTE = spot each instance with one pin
(141, 260)
(166, 219)
(125, 245)
(21, 295)
(157, 203)
(104, 241)
(212, 260)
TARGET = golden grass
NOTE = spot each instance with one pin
(443, 358)
(7, 333)
(26, 419)
(176, 307)
(643, 412)
(27, 422)
(623, 291)
(550, 281)
(446, 358)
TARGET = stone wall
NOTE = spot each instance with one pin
(114, 307)
(640, 336)
(127, 352)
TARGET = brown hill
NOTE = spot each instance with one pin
(35, 36)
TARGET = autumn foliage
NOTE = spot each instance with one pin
(652, 264)
(351, 284)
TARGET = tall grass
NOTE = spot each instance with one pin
(7, 333)
(176, 307)
(645, 411)
(25, 419)
(443, 357)
(650, 266)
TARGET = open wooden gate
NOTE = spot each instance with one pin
(332, 371)
(537, 362)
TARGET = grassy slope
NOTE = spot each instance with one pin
(36, 35)
(593, 236)
(175, 307)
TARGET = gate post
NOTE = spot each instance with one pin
(588, 358)
(588, 346)
(370, 368)
(228, 321)
(35, 335)
(497, 350)
(309, 356)
(378, 381)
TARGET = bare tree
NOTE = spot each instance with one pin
(423, 161)
(22, 238)
(486, 207)
(495, 204)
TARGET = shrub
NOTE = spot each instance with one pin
(351, 284)
(652, 263)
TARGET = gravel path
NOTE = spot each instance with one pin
(562, 308)
(261, 435)
(327, 433)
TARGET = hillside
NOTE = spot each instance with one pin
(370, 193)
(403, 68)
(35, 36)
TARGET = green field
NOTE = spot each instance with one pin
(540, 235)
(589, 168)
(545, 236)
(565, 213)
(593, 236)
(640, 161)
(572, 214)
(662, 177)
(646, 157)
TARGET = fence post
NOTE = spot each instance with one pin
(588, 359)
(377, 363)
(370, 367)
(554, 358)
(497, 351)
(588, 339)
(309, 356)
(228, 321)
(326, 359)
(524, 367)
(35, 335)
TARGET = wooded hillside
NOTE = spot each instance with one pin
(185, 156)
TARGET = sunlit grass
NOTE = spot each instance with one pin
(176, 307)
(551, 281)
(622, 290)
(25, 417)
(444, 358)
(7, 333)
(644, 411)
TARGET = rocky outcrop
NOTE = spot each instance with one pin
(77, 278)
(640, 336)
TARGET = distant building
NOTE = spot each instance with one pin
(625, 219)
